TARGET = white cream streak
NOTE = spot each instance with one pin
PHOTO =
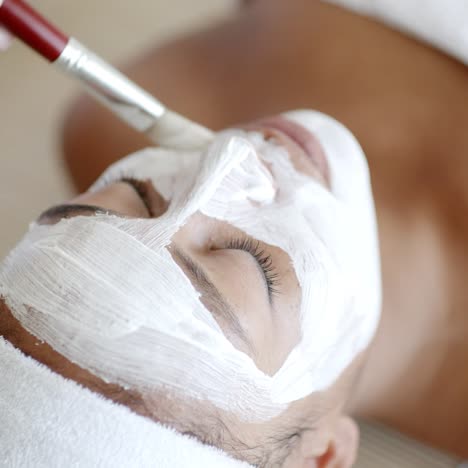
(105, 292)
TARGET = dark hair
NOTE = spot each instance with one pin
(272, 452)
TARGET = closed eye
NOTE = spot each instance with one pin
(263, 259)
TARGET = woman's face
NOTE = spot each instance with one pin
(234, 288)
(249, 291)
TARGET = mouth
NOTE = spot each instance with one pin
(286, 132)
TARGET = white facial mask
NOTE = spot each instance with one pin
(106, 293)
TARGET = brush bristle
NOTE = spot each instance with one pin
(174, 131)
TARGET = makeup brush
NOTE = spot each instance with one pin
(127, 100)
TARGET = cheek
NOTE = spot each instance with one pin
(286, 319)
(274, 327)
(238, 280)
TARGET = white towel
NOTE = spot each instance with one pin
(48, 421)
(440, 23)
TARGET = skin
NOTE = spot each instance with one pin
(406, 107)
(312, 431)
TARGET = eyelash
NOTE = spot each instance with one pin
(263, 259)
(129, 178)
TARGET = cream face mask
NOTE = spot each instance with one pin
(105, 292)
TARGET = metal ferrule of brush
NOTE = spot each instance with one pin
(134, 105)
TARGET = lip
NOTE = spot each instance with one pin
(303, 138)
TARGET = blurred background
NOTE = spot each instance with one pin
(33, 99)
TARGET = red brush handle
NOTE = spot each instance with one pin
(26, 24)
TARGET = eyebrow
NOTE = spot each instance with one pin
(217, 303)
(58, 212)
